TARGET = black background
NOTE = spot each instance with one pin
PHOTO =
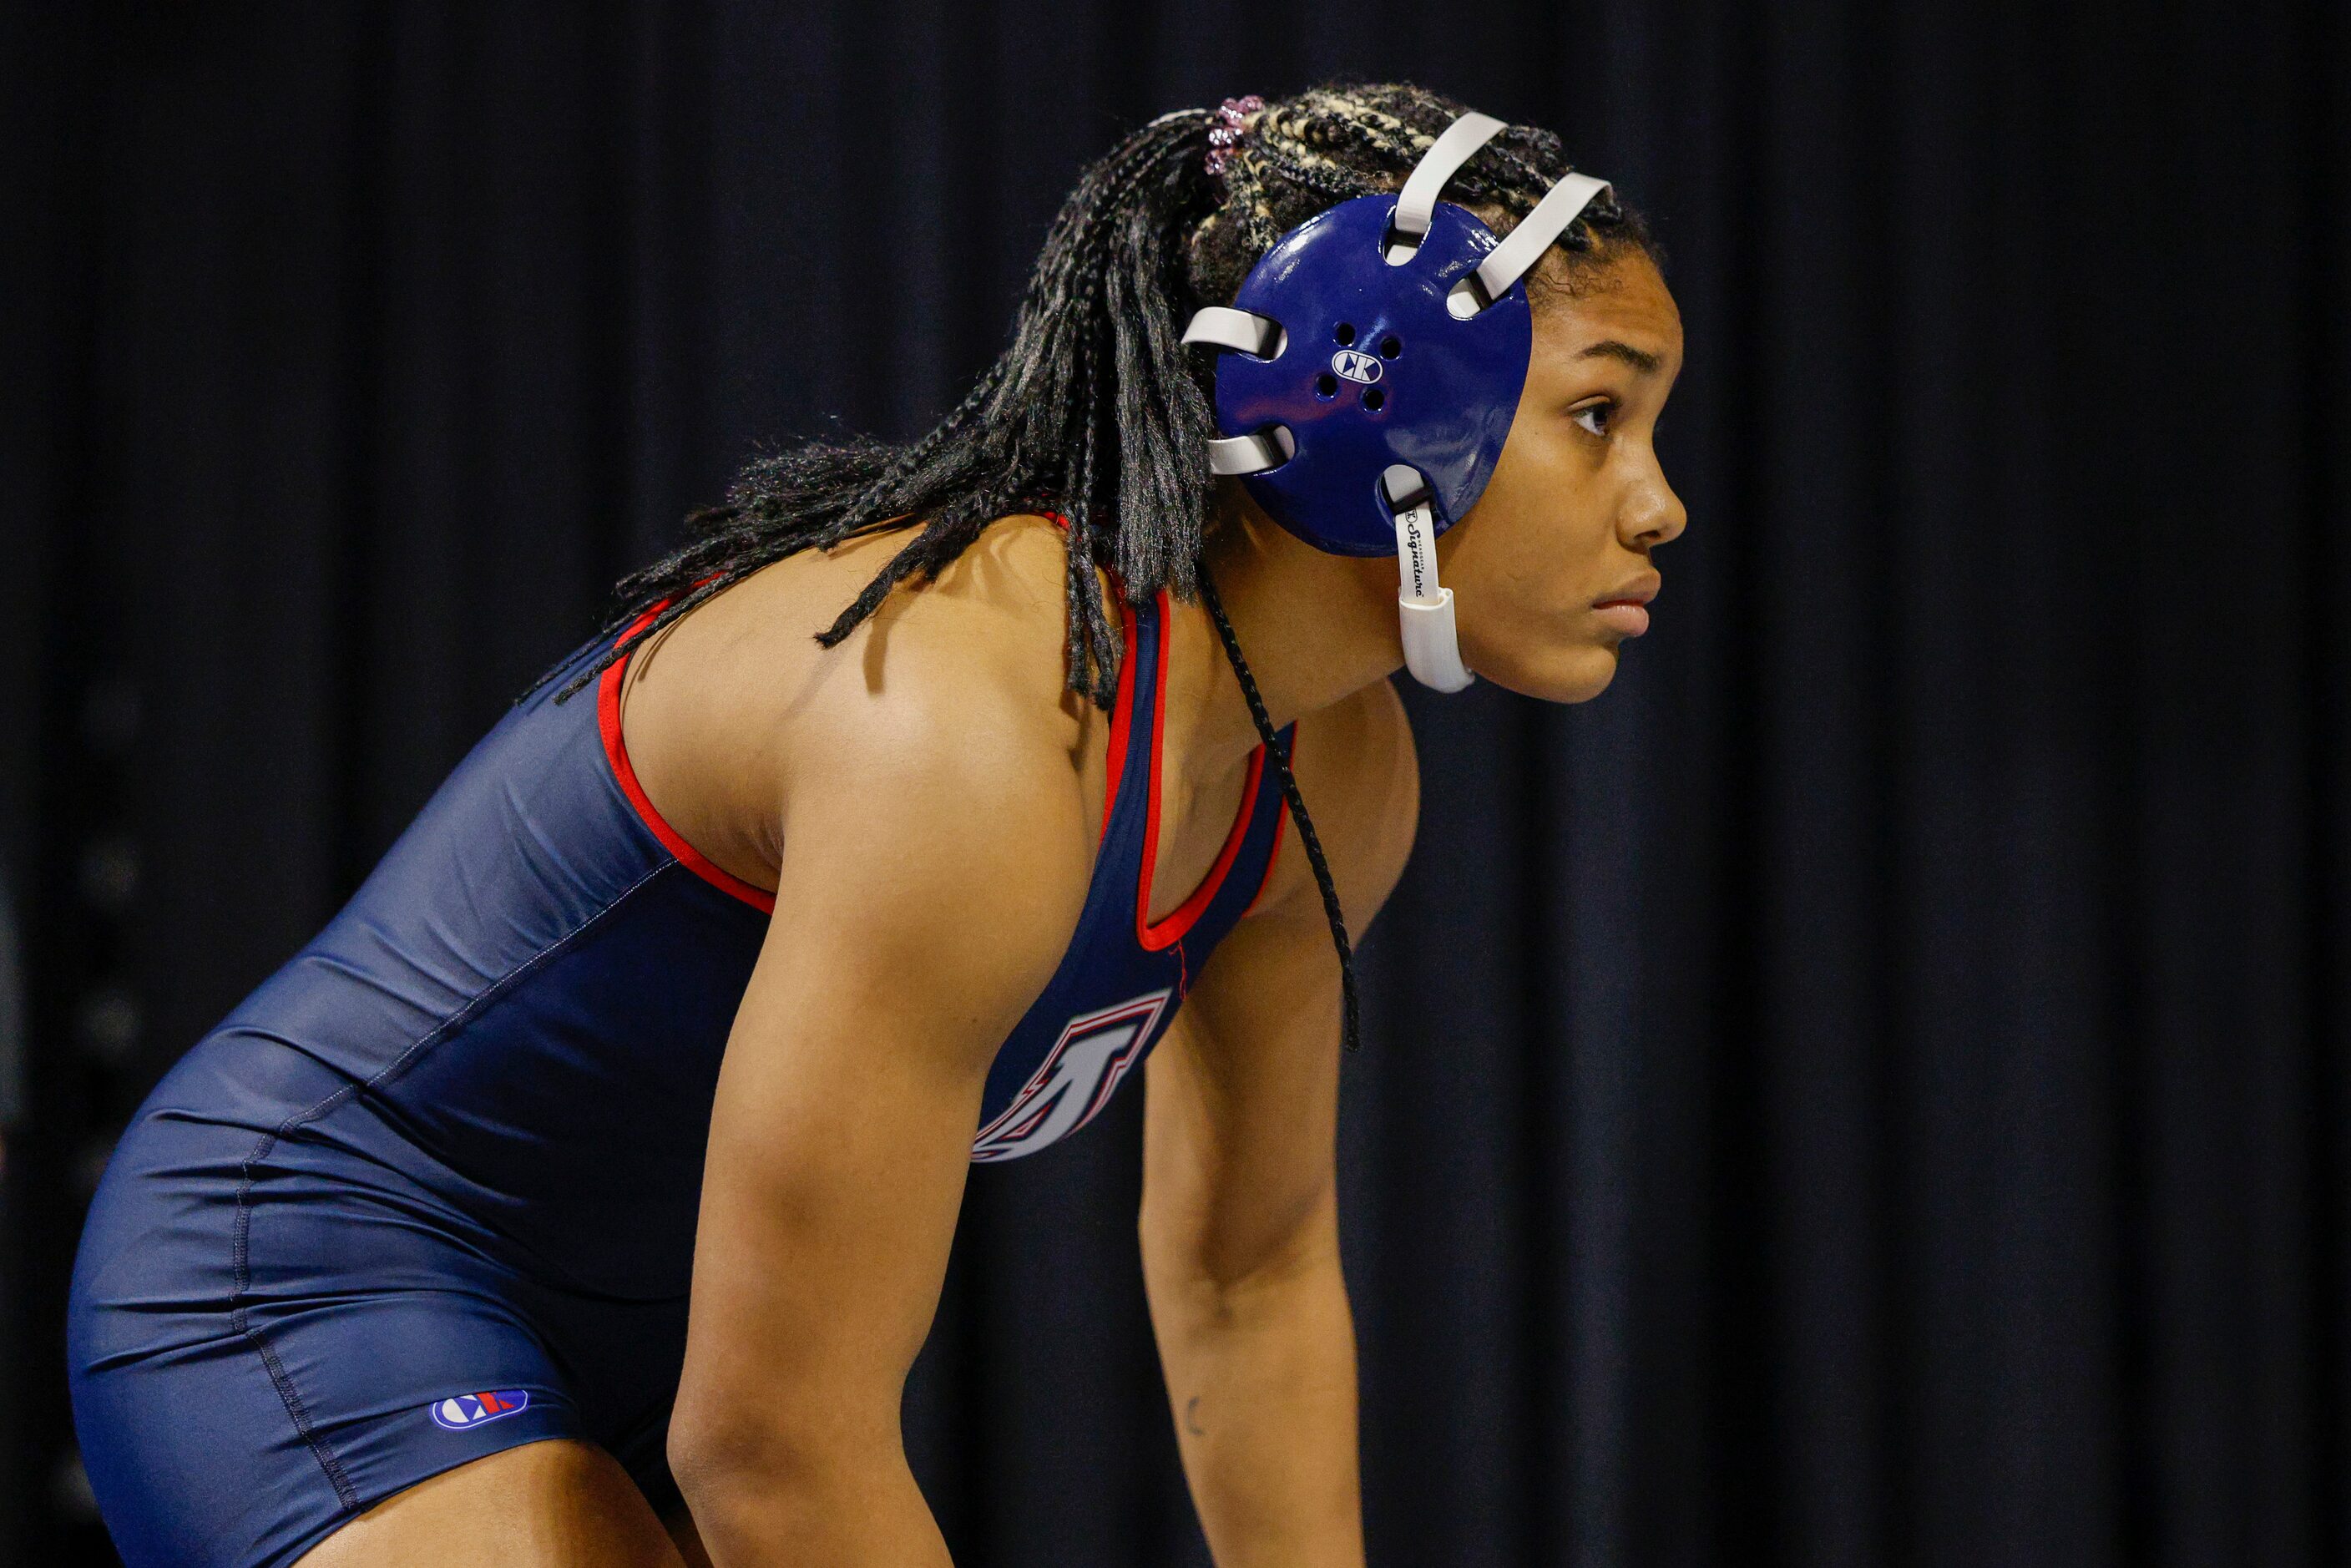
(1878, 1095)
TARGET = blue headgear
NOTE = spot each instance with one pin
(1374, 359)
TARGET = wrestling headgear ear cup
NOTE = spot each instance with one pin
(1373, 363)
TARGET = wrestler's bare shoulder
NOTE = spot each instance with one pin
(736, 707)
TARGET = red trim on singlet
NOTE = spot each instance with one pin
(608, 720)
(1118, 758)
(1122, 718)
(1180, 919)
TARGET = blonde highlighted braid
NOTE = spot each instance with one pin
(1296, 156)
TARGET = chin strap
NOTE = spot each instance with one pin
(1432, 651)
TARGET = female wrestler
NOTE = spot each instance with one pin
(616, 1130)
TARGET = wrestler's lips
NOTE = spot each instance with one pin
(1626, 607)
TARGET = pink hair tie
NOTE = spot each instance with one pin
(1226, 132)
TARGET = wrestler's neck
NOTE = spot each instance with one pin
(1315, 629)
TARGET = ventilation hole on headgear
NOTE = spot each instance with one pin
(1375, 399)
(1390, 348)
(1326, 385)
(1345, 334)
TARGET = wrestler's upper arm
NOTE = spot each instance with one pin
(935, 861)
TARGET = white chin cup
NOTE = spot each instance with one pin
(1432, 651)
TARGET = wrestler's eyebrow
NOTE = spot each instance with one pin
(1640, 360)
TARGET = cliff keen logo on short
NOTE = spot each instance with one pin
(465, 1410)
(1355, 365)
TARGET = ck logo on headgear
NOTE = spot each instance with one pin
(1355, 365)
(465, 1410)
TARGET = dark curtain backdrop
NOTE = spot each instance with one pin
(1882, 1097)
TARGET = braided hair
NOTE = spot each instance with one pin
(1095, 411)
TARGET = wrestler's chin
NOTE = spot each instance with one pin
(1565, 670)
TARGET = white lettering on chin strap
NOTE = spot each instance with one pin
(1432, 649)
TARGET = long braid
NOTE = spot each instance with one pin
(1147, 234)
(1085, 596)
(1349, 1034)
(1008, 447)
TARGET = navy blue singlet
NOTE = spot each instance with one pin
(429, 1192)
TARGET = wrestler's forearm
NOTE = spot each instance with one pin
(1262, 1382)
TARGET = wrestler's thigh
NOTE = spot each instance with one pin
(554, 1504)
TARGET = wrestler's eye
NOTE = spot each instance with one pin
(1595, 418)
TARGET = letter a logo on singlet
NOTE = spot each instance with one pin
(1075, 1080)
